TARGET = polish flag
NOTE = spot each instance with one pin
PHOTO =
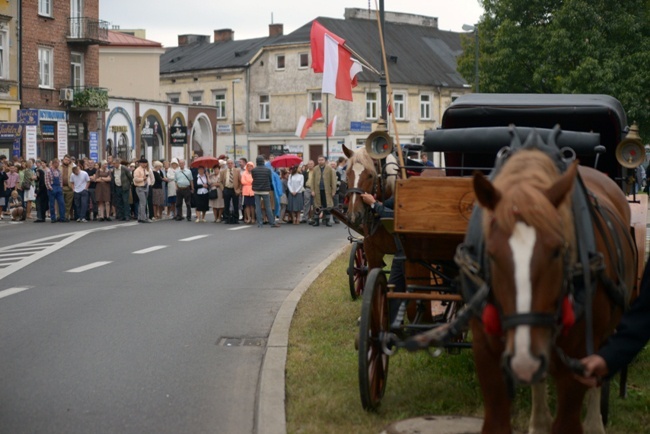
(331, 128)
(305, 124)
(330, 57)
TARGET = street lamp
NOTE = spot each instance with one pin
(474, 28)
(234, 140)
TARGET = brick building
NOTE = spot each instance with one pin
(60, 76)
(10, 131)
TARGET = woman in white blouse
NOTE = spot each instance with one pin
(295, 185)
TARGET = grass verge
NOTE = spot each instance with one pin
(322, 394)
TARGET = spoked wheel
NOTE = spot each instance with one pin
(373, 362)
(357, 270)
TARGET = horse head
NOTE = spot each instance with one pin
(528, 233)
(363, 176)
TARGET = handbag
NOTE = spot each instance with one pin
(213, 194)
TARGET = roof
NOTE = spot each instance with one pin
(423, 55)
(205, 55)
(119, 39)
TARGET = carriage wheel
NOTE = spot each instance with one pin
(373, 362)
(357, 270)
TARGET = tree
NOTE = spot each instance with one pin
(565, 46)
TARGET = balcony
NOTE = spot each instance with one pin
(89, 99)
(87, 31)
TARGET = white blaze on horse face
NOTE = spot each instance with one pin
(358, 169)
(522, 242)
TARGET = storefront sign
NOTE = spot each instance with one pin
(150, 128)
(360, 127)
(224, 128)
(93, 143)
(62, 142)
(73, 131)
(51, 115)
(10, 131)
(178, 136)
(30, 141)
(28, 117)
(119, 129)
(15, 152)
(47, 131)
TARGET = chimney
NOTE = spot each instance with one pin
(191, 39)
(224, 35)
(276, 30)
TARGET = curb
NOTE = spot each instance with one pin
(270, 416)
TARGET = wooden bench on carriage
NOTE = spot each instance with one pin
(431, 215)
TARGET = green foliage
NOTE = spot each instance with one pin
(91, 98)
(565, 46)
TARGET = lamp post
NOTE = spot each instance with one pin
(234, 140)
(474, 28)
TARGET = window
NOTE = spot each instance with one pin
(425, 106)
(45, 7)
(279, 62)
(264, 108)
(45, 65)
(196, 98)
(220, 103)
(174, 98)
(316, 101)
(399, 106)
(304, 60)
(4, 51)
(77, 69)
(371, 105)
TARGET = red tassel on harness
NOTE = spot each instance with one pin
(568, 315)
(491, 320)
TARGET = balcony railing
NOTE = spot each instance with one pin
(87, 30)
(89, 98)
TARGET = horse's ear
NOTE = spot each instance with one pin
(563, 186)
(348, 152)
(486, 194)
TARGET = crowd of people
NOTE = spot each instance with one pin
(237, 192)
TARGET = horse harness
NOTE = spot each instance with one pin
(578, 285)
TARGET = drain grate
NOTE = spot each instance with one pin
(241, 342)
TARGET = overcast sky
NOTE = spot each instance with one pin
(164, 20)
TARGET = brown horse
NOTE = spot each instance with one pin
(528, 230)
(362, 176)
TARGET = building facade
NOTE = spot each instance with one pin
(10, 132)
(261, 87)
(60, 77)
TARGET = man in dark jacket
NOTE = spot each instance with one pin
(262, 184)
(42, 200)
(121, 180)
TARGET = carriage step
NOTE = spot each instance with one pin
(423, 296)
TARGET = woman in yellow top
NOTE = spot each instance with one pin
(247, 192)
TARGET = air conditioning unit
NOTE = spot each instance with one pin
(66, 94)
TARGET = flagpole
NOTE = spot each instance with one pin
(361, 59)
(327, 122)
(390, 92)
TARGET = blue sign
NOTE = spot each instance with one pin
(94, 145)
(28, 117)
(360, 127)
(51, 115)
(15, 152)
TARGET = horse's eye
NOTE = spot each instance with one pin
(557, 252)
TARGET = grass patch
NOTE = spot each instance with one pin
(322, 393)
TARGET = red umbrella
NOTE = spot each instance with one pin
(207, 161)
(286, 160)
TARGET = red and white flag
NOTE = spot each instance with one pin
(330, 57)
(331, 128)
(305, 124)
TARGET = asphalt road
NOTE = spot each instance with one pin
(142, 328)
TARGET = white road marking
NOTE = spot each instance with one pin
(197, 237)
(149, 249)
(89, 267)
(522, 243)
(238, 228)
(12, 291)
